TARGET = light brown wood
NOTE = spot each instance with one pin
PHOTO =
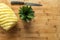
(44, 26)
(6, 2)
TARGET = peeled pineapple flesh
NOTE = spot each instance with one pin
(7, 17)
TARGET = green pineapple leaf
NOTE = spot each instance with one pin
(26, 13)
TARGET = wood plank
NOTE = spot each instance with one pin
(44, 26)
(6, 2)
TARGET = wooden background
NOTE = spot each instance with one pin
(44, 26)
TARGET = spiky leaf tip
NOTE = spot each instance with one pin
(26, 13)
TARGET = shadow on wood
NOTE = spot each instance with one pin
(27, 26)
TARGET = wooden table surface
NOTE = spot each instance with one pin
(44, 26)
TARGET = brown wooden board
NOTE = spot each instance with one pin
(44, 26)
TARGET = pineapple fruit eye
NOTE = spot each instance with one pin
(26, 13)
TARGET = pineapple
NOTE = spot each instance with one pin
(7, 17)
(26, 13)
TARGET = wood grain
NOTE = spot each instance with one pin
(44, 26)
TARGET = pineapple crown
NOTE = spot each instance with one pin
(26, 13)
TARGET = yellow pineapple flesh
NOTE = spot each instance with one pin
(7, 17)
